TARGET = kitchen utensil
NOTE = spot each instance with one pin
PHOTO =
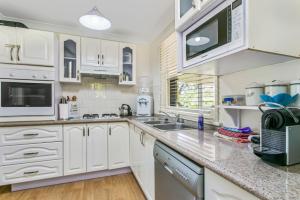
(253, 92)
(234, 100)
(295, 90)
(282, 99)
(276, 87)
(125, 110)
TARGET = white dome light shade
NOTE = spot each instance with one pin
(95, 20)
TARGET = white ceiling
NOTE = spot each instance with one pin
(143, 19)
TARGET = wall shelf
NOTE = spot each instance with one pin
(235, 112)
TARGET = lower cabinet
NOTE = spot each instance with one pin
(218, 188)
(142, 160)
(118, 145)
(74, 149)
(95, 147)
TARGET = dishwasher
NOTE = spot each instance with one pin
(176, 177)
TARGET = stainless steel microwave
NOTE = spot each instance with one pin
(26, 93)
(220, 31)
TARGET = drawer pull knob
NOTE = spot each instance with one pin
(31, 173)
(31, 154)
(31, 134)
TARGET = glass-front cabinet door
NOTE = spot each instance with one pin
(185, 9)
(127, 64)
(69, 58)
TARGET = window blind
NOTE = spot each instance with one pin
(185, 92)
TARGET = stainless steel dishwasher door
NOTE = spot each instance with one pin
(176, 177)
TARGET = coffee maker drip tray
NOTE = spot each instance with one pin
(270, 155)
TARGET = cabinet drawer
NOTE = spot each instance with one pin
(30, 134)
(30, 172)
(30, 153)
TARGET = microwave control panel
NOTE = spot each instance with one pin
(237, 20)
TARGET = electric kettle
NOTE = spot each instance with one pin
(125, 110)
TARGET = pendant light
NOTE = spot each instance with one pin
(95, 20)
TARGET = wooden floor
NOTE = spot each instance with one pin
(121, 187)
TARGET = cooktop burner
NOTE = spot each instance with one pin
(97, 116)
(110, 115)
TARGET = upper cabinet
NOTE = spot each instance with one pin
(26, 46)
(7, 44)
(99, 56)
(187, 11)
(69, 58)
(127, 64)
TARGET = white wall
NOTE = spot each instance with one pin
(236, 83)
(103, 94)
(155, 64)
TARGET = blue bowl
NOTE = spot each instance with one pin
(282, 99)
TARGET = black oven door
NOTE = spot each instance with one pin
(26, 98)
(210, 35)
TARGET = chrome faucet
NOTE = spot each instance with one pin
(179, 119)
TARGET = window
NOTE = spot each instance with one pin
(192, 91)
(185, 93)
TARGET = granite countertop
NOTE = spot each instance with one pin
(233, 161)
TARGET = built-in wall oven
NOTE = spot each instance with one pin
(26, 92)
(221, 30)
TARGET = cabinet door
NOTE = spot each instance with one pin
(139, 161)
(185, 10)
(69, 49)
(135, 143)
(97, 147)
(90, 52)
(110, 54)
(35, 47)
(74, 149)
(127, 64)
(148, 167)
(218, 188)
(118, 145)
(7, 42)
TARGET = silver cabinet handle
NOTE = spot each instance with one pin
(142, 138)
(31, 173)
(18, 52)
(109, 131)
(30, 134)
(88, 131)
(102, 59)
(98, 59)
(31, 154)
(83, 132)
(11, 46)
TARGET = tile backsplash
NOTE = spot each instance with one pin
(101, 94)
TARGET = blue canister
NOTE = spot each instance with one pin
(200, 122)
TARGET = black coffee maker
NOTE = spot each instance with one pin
(280, 136)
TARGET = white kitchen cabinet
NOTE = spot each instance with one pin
(127, 64)
(74, 149)
(118, 145)
(218, 188)
(109, 54)
(90, 51)
(30, 172)
(28, 153)
(35, 47)
(7, 43)
(30, 135)
(69, 58)
(97, 154)
(185, 10)
(99, 56)
(142, 161)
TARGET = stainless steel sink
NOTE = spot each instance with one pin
(157, 122)
(172, 127)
